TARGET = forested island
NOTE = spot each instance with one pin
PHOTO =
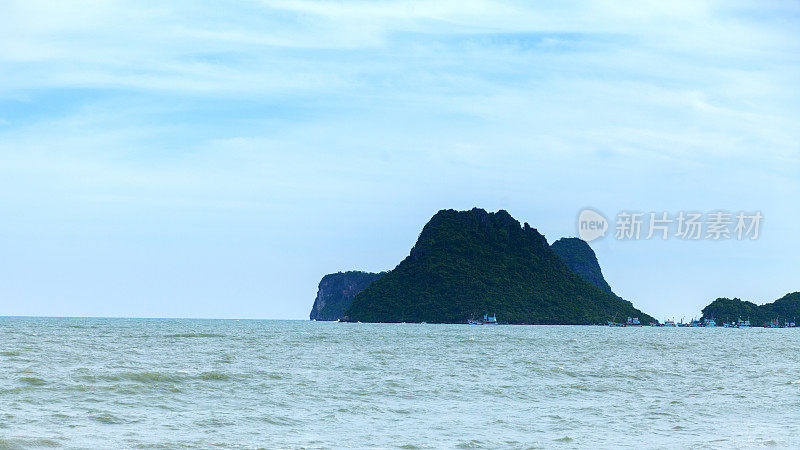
(784, 310)
(468, 263)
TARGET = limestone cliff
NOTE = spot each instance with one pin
(580, 258)
(337, 290)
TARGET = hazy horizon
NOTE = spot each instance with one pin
(186, 160)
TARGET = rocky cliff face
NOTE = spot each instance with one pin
(336, 292)
(580, 258)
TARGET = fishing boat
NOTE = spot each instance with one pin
(631, 322)
(743, 324)
(670, 323)
(709, 323)
(487, 320)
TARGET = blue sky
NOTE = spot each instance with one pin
(215, 159)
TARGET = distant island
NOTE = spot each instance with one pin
(784, 310)
(336, 291)
(469, 263)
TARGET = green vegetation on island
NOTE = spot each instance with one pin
(785, 309)
(469, 263)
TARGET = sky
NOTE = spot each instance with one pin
(216, 159)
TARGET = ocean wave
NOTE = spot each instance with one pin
(214, 376)
(136, 389)
(141, 377)
(153, 377)
(471, 444)
(194, 335)
(33, 381)
(28, 443)
(107, 418)
(277, 420)
(215, 422)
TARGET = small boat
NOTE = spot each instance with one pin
(745, 324)
(631, 322)
(487, 320)
(670, 323)
(709, 323)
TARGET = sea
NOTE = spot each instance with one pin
(176, 383)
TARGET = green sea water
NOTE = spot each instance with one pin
(141, 383)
